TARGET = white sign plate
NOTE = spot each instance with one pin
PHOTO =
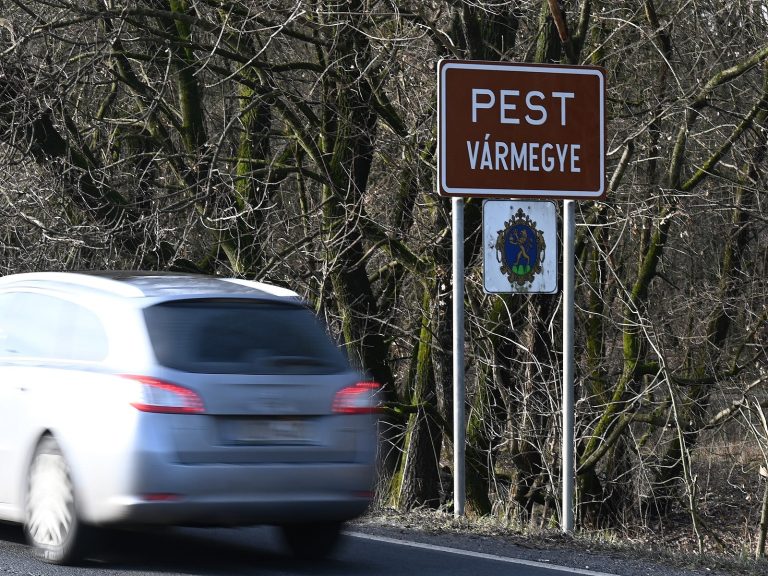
(519, 246)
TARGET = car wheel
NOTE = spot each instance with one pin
(312, 541)
(51, 524)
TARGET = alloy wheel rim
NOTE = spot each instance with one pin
(49, 501)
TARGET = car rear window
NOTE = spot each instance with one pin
(241, 337)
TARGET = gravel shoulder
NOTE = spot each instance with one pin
(584, 551)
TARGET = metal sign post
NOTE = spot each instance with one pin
(459, 432)
(569, 471)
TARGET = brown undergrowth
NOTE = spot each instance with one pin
(726, 480)
(673, 547)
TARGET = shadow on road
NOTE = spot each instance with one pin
(12, 533)
(199, 551)
(187, 551)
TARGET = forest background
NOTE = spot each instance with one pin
(294, 142)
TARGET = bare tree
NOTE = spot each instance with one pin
(294, 141)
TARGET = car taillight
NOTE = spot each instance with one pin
(361, 398)
(160, 396)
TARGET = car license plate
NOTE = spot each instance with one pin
(268, 431)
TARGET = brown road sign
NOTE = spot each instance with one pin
(520, 130)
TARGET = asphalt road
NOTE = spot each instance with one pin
(259, 551)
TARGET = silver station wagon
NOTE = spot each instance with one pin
(140, 399)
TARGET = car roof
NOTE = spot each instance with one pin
(148, 284)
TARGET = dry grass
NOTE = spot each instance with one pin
(640, 546)
(729, 492)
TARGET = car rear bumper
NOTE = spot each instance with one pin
(226, 495)
(240, 513)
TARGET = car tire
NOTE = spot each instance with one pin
(51, 524)
(312, 541)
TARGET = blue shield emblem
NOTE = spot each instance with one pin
(520, 249)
